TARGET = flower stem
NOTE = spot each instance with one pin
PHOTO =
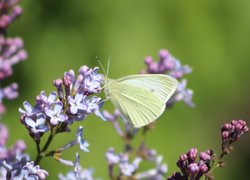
(42, 153)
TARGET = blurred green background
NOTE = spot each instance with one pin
(211, 36)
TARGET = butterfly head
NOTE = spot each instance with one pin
(107, 86)
(106, 80)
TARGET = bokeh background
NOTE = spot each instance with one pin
(211, 36)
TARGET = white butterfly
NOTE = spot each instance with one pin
(141, 98)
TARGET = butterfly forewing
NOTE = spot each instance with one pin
(141, 98)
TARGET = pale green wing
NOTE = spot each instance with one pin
(161, 85)
(138, 105)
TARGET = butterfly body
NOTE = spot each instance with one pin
(140, 98)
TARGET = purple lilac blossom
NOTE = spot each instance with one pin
(31, 171)
(55, 113)
(14, 164)
(76, 103)
(231, 132)
(21, 168)
(11, 49)
(46, 101)
(73, 101)
(190, 167)
(130, 169)
(83, 144)
(169, 65)
(195, 166)
(11, 11)
(121, 160)
(37, 125)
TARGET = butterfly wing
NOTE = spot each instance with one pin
(142, 98)
(160, 85)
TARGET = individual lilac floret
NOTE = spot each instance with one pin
(82, 142)
(38, 125)
(29, 110)
(56, 114)
(192, 154)
(44, 101)
(84, 174)
(171, 66)
(93, 105)
(76, 103)
(92, 79)
(231, 132)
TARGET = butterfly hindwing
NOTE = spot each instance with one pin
(140, 106)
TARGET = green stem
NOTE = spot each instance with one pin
(42, 153)
(215, 163)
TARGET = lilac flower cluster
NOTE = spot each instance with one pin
(71, 102)
(231, 132)
(11, 52)
(169, 65)
(192, 169)
(10, 10)
(13, 163)
(22, 168)
(129, 169)
(11, 49)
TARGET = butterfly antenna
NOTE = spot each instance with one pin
(99, 62)
(108, 66)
